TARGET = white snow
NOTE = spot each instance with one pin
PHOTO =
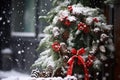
(106, 27)
(6, 51)
(45, 41)
(79, 9)
(23, 34)
(96, 29)
(89, 20)
(48, 29)
(63, 13)
(97, 64)
(45, 60)
(70, 40)
(55, 19)
(102, 48)
(109, 1)
(103, 57)
(14, 75)
(56, 31)
(71, 18)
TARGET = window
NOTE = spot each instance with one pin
(23, 16)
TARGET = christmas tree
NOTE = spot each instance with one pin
(77, 42)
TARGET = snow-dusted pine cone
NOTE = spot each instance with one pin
(35, 73)
(44, 73)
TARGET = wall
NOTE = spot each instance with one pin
(117, 38)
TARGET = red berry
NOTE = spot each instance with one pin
(80, 26)
(86, 29)
(95, 20)
(70, 8)
(67, 22)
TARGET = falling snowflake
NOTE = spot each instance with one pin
(6, 41)
(97, 73)
(3, 23)
(28, 48)
(1, 33)
(16, 60)
(45, 4)
(31, 43)
(106, 65)
(19, 52)
(106, 74)
(4, 12)
(22, 51)
(20, 23)
(0, 18)
(8, 21)
(18, 44)
(104, 78)
(13, 9)
(24, 60)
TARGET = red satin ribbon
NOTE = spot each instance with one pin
(80, 61)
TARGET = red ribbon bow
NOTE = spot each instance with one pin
(80, 61)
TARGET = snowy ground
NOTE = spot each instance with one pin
(14, 75)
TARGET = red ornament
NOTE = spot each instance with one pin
(67, 23)
(80, 26)
(83, 27)
(95, 20)
(56, 46)
(86, 29)
(73, 51)
(70, 8)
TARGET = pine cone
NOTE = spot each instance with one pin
(35, 73)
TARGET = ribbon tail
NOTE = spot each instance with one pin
(85, 68)
(70, 68)
(86, 73)
(70, 65)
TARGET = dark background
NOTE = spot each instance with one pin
(23, 61)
